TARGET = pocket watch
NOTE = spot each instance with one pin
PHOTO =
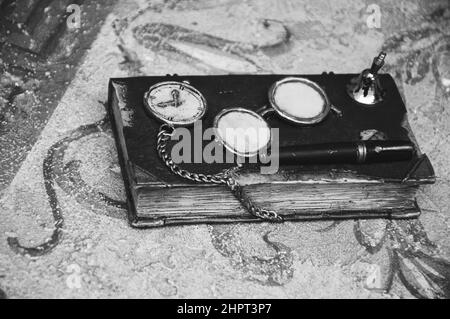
(175, 103)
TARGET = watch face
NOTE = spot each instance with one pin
(175, 103)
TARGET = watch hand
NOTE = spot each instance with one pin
(175, 102)
(176, 98)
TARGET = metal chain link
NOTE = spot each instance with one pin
(224, 177)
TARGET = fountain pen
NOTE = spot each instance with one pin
(347, 152)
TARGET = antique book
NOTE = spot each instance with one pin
(158, 197)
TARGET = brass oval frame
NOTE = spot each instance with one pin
(242, 110)
(299, 120)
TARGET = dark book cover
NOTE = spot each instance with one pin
(157, 197)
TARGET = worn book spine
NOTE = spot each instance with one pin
(114, 114)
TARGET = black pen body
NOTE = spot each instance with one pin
(347, 152)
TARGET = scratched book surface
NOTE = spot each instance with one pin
(158, 197)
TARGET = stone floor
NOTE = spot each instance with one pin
(63, 232)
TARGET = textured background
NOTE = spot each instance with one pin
(63, 231)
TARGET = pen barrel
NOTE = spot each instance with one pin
(347, 152)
